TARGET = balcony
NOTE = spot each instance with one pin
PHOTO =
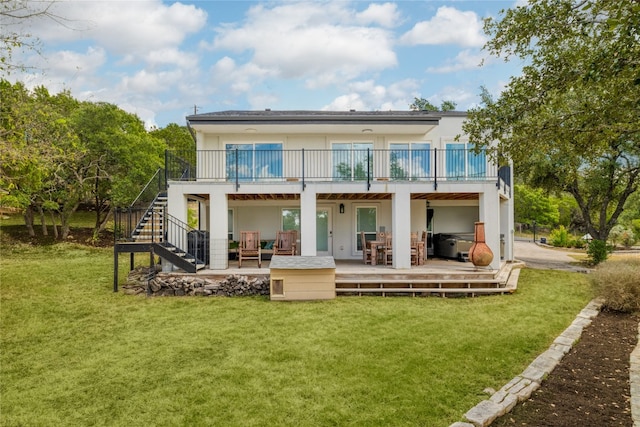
(272, 164)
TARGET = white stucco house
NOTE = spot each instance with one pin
(331, 175)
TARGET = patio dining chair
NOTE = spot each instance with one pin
(415, 249)
(366, 249)
(285, 243)
(249, 247)
(387, 252)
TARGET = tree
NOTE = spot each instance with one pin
(532, 205)
(570, 121)
(421, 104)
(13, 37)
(176, 137)
(35, 143)
(57, 153)
(120, 157)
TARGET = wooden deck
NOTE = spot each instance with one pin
(437, 277)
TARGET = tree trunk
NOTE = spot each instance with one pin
(43, 221)
(55, 227)
(28, 220)
(105, 220)
(65, 216)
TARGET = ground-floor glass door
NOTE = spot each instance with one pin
(324, 232)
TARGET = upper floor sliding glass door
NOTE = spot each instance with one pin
(409, 161)
(352, 161)
(254, 161)
(462, 162)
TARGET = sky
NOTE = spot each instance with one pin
(164, 60)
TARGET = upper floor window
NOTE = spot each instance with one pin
(462, 162)
(352, 161)
(409, 161)
(254, 161)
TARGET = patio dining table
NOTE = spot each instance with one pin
(377, 247)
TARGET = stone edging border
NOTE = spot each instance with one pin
(522, 386)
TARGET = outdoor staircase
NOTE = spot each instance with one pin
(151, 226)
(151, 234)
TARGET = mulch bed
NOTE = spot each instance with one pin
(590, 386)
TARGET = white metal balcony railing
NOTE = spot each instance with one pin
(306, 165)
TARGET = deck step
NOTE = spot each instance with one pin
(416, 281)
(441, 291)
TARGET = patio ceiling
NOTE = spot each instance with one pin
(355, 196)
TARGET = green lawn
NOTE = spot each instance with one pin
(73, 352)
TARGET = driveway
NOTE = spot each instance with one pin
(542, 257)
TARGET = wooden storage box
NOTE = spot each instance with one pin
(302, 278)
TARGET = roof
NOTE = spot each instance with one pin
(322, 122)
(301, 262)
(316, 117)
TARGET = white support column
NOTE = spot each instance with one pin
(401, 212)
(177, 208)
(308, 223)
(490, 215)
(506, 227)
(218, 239)
(177, 202)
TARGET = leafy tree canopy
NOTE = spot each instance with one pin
(57, 153)
(176, 137)
(421, 104)
(570, 121)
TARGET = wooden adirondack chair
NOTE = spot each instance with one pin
(285, 243)
(249, 247)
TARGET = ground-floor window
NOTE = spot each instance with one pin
(367, 221)
(291, 219)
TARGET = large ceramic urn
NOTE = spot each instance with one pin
(480, 254)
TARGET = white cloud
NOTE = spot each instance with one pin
(368, 95)
(448, 26)
(144, 82)
(171, 56)
(461, 96)
(465, 60)
(63, 70)
(321, 42)
(385, 15)
(122, 28)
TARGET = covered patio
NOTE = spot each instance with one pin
(436, 277)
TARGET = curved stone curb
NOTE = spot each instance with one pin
(634, 379)
(522, 386)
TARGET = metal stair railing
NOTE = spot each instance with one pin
(149, 215)
(128, 220)
(188, 242)
(156, 184)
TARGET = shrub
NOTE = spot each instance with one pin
(635, 226)
(627, 239)
(598, 251)
(559, 237)
(618, 282)
(578, 243)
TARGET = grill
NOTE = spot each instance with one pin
(453, 245)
